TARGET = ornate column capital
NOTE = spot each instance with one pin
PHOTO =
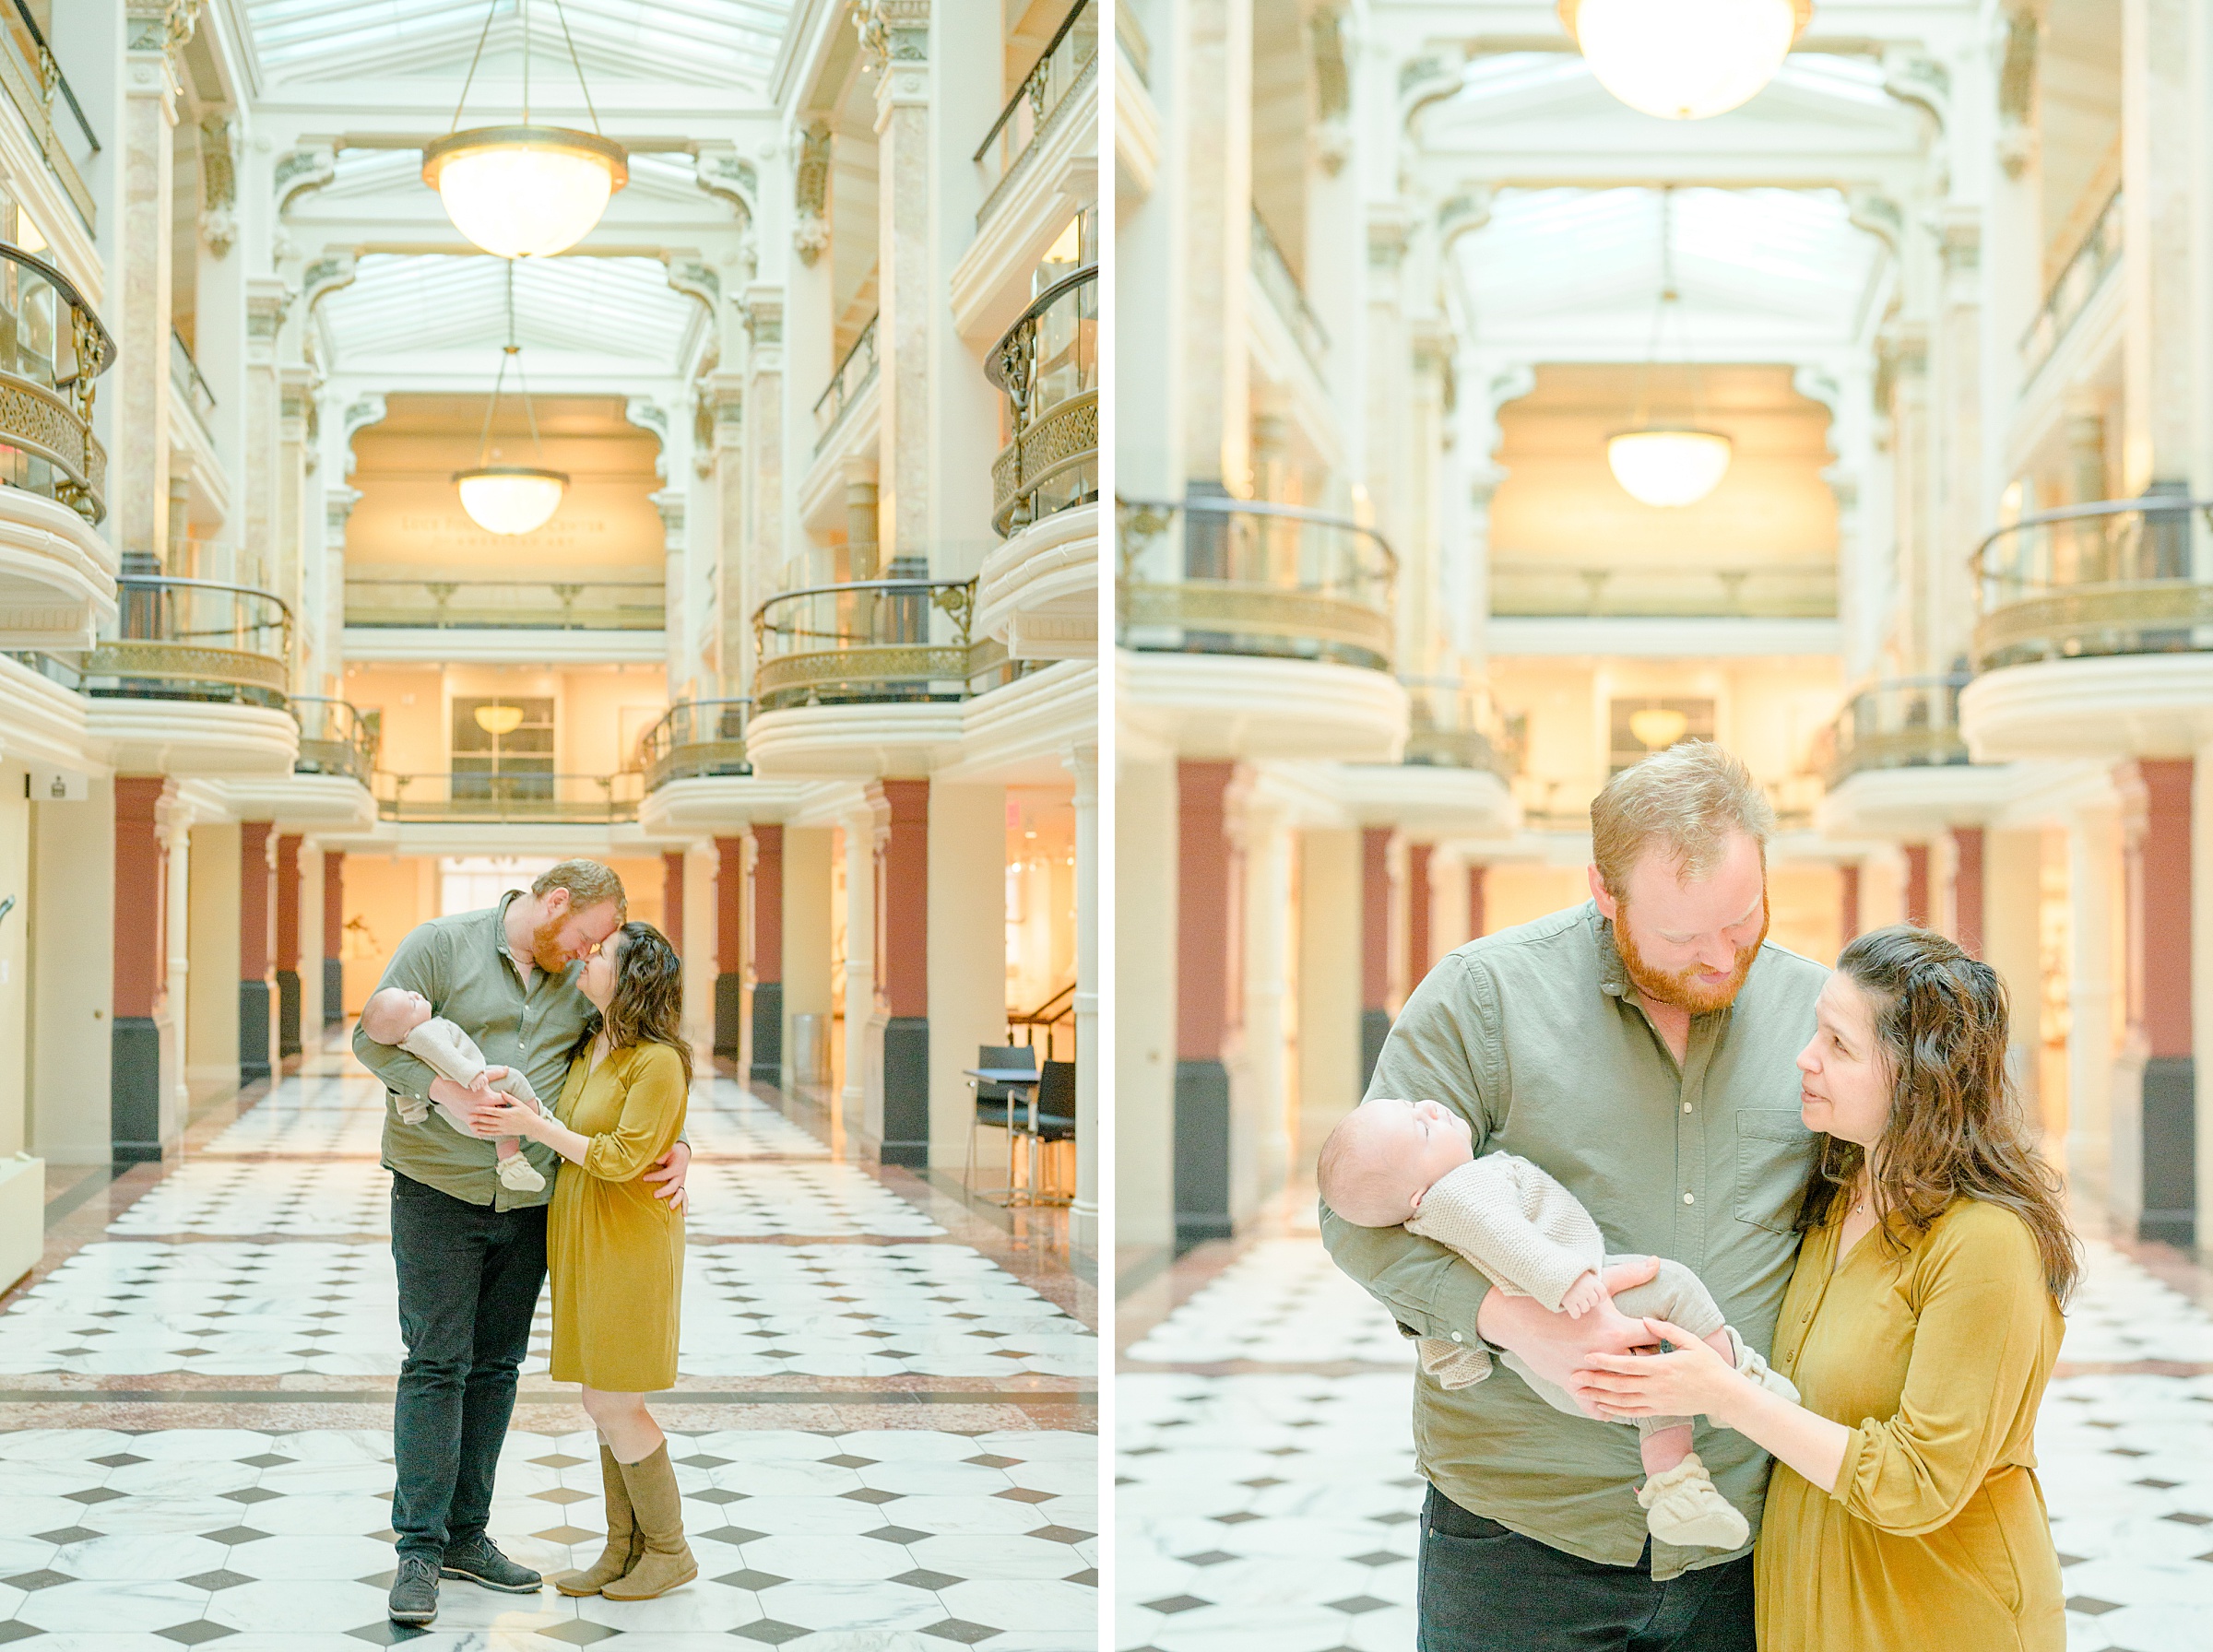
(810, 191)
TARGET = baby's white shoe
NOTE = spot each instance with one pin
(1749, 1364)
(517, 1175)
(1682, 1506)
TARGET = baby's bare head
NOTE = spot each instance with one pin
(1385, 1154)
(390, 1015)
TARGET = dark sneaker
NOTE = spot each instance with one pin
(414, 1590)
(481, 1561)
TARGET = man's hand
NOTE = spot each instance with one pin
(1582, 1296)
(1554, 1346)
(669, 1176)
(474, 1102)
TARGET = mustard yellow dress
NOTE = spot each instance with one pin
(1935, 1536)
(616, 1254)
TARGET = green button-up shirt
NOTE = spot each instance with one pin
(460, 964)
(1534, 1036)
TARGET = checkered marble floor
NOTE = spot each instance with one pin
(120, 1542)
(1268, 1511)
(263, 1254)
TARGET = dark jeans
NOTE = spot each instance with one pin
(469, 1278)
(1484, 1588)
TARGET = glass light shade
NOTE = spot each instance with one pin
(1656, 728)
(525, 192)
(497, 720)
(1685, 60)
(510, 498)
(1668, 468)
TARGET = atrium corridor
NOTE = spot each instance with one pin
(1300, 1536)
(884, 1425)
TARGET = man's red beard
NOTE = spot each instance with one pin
(546, 950)
(1683, 989)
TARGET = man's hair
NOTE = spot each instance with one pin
(1688, 799)
(589, 883)
(1364, 1187)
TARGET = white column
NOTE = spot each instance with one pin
(861, 1100)
(2093, 868)
(1081, 761)
(702, 861)
(139, 302)
(1329, 986)
(169, 1020)
(311, 944)
(1263, 1093)
(967, 953)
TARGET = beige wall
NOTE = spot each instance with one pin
(14, 957)
(806, 961)
(71, 936)
(387, 896)
(967, 952)
(1144, 989)
(2012, 878)
(212, 987)
(1517, 893)
(598, 711)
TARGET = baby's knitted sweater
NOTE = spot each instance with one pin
(1517, 1226)
(452, 1054)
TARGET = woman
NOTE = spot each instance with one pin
(1920, 1328)
(616, 1253)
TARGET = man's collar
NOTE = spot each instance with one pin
(1613, 974)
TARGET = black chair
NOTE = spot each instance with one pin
(996, 1103)
(1054, 1119)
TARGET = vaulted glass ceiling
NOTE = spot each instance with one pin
(725, 43)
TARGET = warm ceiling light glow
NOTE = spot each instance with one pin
(1656, 728)
(497, 720)
(525, 192)
(510, 498)
(1685, 60)
(1668, 468)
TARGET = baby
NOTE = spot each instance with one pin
(1393, 1162)
(396, 1016)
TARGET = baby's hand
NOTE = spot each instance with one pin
(1582, 1296)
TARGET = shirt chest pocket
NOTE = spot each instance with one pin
(1772, 1149)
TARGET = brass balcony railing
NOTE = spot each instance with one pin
(193, 639)
(1048, 366)
(32, 76)
(51, 348)
(693, 739)
(1219, 575)
(873, 641)
(2119, 576)
(378, 601)
(1454, 725)
(854, 375)
(512, 795)
(185, 379)
(1524, 588)
(1908, 722)
(335, 739)
(1069, 62)
(2083, 273)
(1287, 293)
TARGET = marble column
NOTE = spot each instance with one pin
(1081, 761)
(762, 488)
(1262, 1086)
(334, 937)
(725, 396)
(2093, 865)
(1478, 926)
(288, 945)
(1848, 902)
(1375, 946)
(1419, 858)
(1205, 947)
(2163, 278)
(141, 952)
(2160, 966)
(897, 38)
(768, 955)
(672, 897)
(729, 948)
(1966, 888)
(902, 932)
(256, 1013)
(861, 1103)
(1213, 253)
(138, 306)
(1918, 910)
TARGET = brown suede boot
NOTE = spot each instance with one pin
(625, 1544)
(659, 1511)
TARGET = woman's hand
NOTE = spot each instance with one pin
(508, 1117)
(1689, 1381)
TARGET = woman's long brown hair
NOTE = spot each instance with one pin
(648, 1005)
(1956, 1128)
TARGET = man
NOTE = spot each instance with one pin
(1640, 1048)
(470, 1253)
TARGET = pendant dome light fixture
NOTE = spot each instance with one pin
(525, 190)
(1685, 60)
(1669, 466)
(510, 498)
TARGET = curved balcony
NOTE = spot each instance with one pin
(1069, 62)
(1048, 367)
(514, 797)
(1245, 577)
(335, 739)
(1904, 723)
(51, 348)
(695, 740)
(869, 641)
(2117, 577)
(1452, 724)
(193, 639)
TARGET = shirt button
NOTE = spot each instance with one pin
(1458, 1338)
(1686, 1106)
(1689, 1198)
